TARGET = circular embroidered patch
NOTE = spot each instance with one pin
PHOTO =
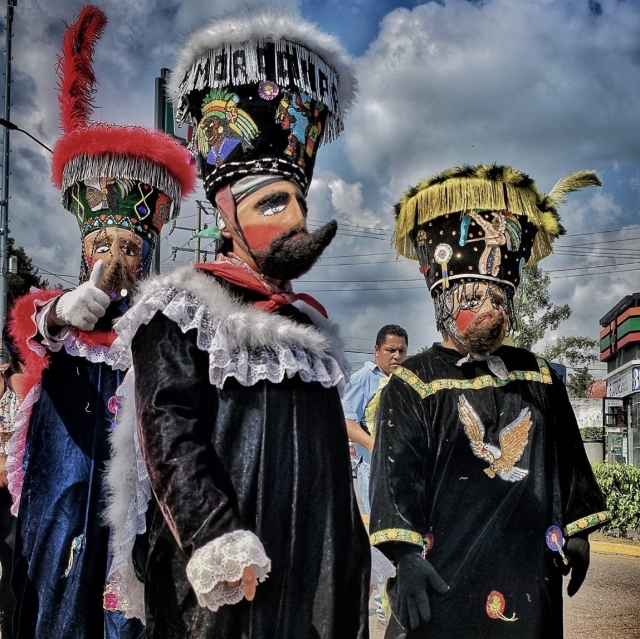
(495, 606)
(428, 544)
(443, 253)
(554, 538)
(268, 90)
(112, 405)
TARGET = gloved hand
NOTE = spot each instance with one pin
(577, 551)
(414, 575)
(85, 305)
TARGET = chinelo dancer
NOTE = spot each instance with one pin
(482, 493)
(240, 441)
(121, 184)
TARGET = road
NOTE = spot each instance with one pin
(607, 606)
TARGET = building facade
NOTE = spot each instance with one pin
(620, 349)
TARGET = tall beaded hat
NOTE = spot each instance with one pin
(111, 176)
(480, 223)
(263, 90)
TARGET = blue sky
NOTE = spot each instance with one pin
(548, 86)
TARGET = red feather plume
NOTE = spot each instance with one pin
(75, 68)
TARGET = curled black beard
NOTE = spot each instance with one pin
(288, 257)
(116, 277)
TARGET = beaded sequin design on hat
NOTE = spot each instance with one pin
(480, 223)
(263, 90)
(96, 151)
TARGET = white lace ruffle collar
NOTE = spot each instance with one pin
(242, 341)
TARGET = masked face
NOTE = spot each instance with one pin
(479, 320)
(273, 220)
(121, 252)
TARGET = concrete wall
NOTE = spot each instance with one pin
(588, 411)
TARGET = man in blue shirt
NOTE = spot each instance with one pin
(390, 351)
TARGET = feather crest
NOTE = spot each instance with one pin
(574, 182)
(76, 86)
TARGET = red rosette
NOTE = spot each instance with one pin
(496, 605)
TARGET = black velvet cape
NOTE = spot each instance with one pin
(488, 533)
(270, 458)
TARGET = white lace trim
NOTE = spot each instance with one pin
(272, 347)
(125, 592)
(94, 353)
(224, 560)
(129, 493)
(17, 446)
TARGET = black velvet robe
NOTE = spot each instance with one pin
(270, 458)
(488, 532)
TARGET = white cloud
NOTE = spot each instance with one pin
(544, 86)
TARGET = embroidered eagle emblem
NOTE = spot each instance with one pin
(513, 441)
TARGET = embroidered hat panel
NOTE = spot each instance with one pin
(120, 203)
(481, 222)
(263, 90)
(87, 151)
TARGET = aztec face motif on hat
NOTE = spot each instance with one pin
(111, 176)
(480, 222)
(264, 90)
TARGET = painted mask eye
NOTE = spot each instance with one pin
(268, 210)
(103, 248)
(130, 250)
(273, 204)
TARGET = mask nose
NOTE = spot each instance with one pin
(296, 216)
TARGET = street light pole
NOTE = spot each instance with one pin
(4, 203)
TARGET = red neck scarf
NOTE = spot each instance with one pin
(236, 274)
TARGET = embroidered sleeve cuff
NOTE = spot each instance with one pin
(588, 522)
(396, 534)
(222, 560)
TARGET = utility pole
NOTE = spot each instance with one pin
(4, 203)
(210, 233)
(198, 229)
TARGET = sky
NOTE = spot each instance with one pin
(547, 86)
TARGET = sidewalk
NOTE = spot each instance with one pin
(606, 544)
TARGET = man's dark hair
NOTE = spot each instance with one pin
(391, 329)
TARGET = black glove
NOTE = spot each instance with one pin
(414, 575)
(577, 551)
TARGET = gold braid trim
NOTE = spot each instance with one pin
(396, 534)
(425, 389)
(584, 523)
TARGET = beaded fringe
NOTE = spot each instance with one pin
(238, 64)
(82, 167)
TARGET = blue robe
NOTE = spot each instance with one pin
(60, 560)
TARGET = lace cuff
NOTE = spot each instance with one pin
(224, 559)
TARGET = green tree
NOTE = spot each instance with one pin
(535, 313)
(579, 382)
(572, 351)
(26, 277)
